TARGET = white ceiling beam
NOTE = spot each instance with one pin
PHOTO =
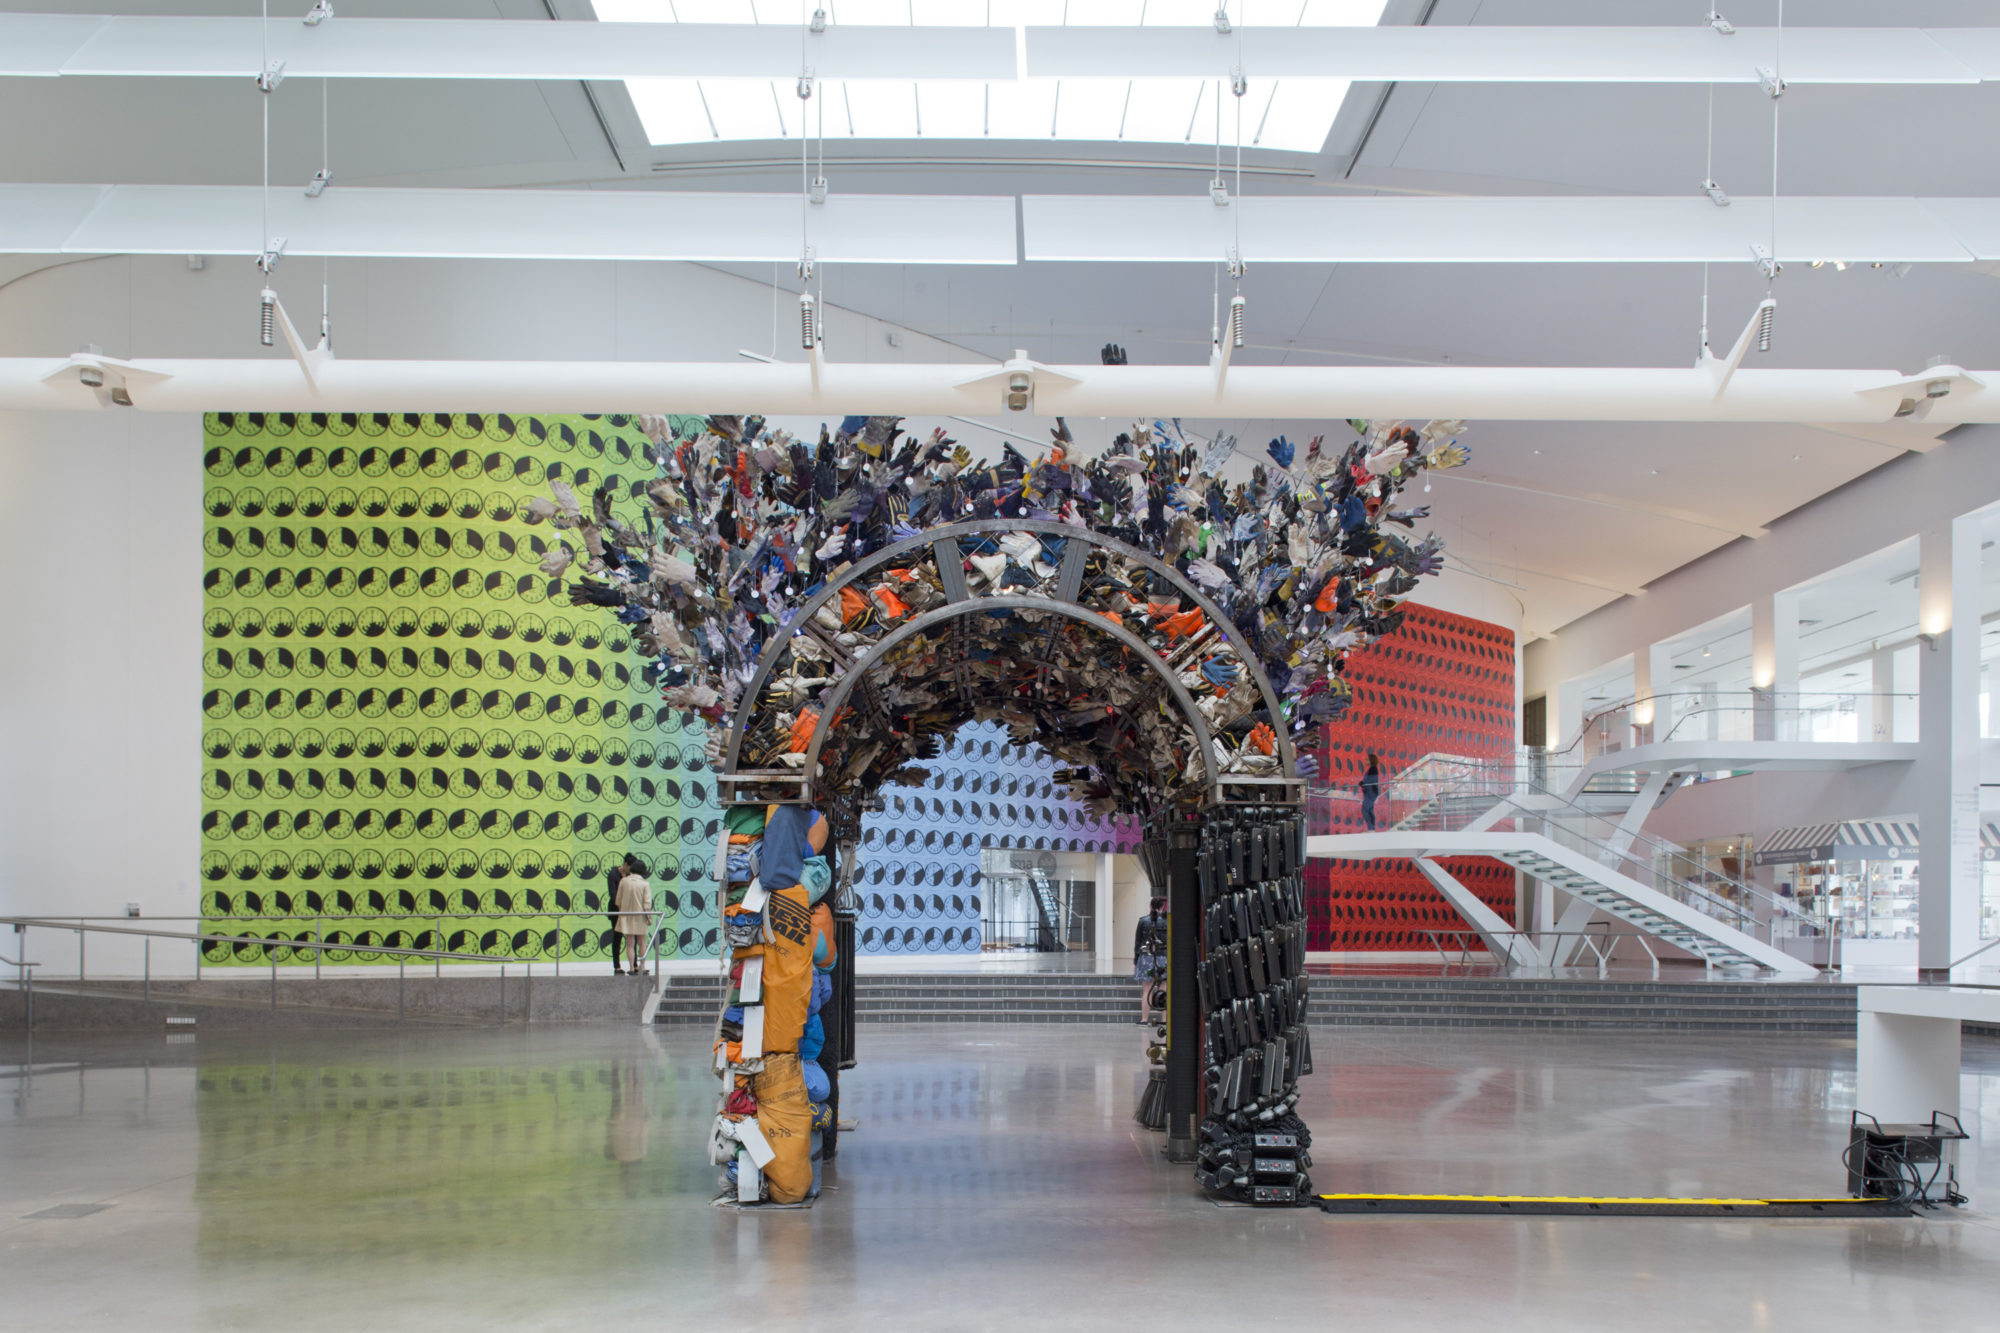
(1481, 54)
(1401, 229)
(1493, 393)
(764, 227)
(149, 46)
(368, 222)
(158, 46)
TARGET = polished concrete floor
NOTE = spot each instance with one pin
(555, 1178)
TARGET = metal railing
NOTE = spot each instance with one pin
(320, 943)
(1450, 802)
(84, 925)
(1747, 715)
(1599, 938)
(24, 980)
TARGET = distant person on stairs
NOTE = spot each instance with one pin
(1370, 787)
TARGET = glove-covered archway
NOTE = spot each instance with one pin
(843, 608)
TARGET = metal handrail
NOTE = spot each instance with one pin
(319, 947)
(1501, 785)
(1593, 931)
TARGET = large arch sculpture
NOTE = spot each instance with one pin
(835, 612)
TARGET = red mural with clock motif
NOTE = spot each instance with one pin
(1441, 684)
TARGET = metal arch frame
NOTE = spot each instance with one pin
(930, 537)
(835, 698)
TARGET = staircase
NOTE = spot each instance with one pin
(1712, 944)
(1051, 933)
(1415, 1002)
(1715, 941)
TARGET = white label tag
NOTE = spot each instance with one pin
(752, 1138)
(753, 1031)
(751, 988)
(755, 896)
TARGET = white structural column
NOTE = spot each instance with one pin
(1881, 691)
(1947, 769)
(1566, 720)
(1652, 676)
(1774, 662)
(1105, 915)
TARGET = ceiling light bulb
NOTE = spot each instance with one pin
(1020, 391)
(808, 325)
(267, 315)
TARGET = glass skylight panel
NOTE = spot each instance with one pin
(1290, 114)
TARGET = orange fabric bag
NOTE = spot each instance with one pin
(785, 1117)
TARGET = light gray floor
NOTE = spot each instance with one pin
(555, 1178)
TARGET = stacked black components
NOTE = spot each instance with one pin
(1252, 1146)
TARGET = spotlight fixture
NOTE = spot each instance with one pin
(1020, 391)
(1236, 320)
(267, 317)
(808, 322)
(1941, 386)
(1765, 314)
(121, 395)
(90, 376)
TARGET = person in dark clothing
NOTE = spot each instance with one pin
(1149, 959)
(614, 874)
(1370, 787)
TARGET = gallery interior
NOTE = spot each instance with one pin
(989, 663)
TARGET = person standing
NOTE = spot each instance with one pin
(1149, 958)
(635, 914)
(1370, 787)
(614, 874)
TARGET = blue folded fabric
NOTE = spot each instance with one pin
(742, 867)
(733, 1014)
(812, 1040)
(818, 1086)
(822, 991)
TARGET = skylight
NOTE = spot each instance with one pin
(1290, 114)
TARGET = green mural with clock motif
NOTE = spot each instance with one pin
(410, 737)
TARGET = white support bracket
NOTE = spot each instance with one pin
(312, 360)
(1723, 369)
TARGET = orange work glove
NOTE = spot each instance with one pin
(1263, 739)
(853, 608)
(1329, 597)
(1187, 622)
(893, 607)
(802, 729)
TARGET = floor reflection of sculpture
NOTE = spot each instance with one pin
(768, 1133)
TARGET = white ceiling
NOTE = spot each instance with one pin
(1566, 515)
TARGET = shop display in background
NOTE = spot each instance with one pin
(1443, 684)
(410, 738)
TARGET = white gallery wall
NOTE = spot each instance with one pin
(100, 673)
